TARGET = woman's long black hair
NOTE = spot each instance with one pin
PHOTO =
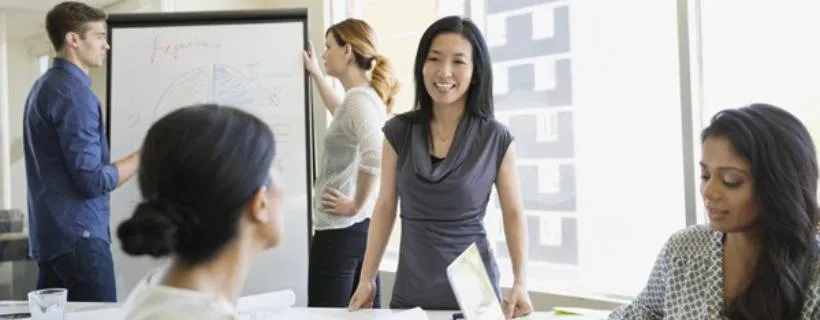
(784, 169)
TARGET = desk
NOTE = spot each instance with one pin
(368, 314)
(75, 310)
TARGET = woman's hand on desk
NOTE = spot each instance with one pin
(518, 304)
(363, 297)
(336, 202)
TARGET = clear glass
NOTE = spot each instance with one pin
(47, 304)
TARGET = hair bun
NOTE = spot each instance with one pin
(152, 230)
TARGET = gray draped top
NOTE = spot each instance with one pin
(443, 204)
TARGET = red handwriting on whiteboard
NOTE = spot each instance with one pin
(173, 49)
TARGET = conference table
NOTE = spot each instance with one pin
(99, 311)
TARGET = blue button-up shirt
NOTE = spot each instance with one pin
(68, 165)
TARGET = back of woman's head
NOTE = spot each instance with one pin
(784, 169)
(199, 166)
(480, 95)
(362, 39)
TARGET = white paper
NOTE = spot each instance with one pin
(260, 306)
(589, 313)
(411, 314)
(291, 313)
(471, 285)
(97, 314)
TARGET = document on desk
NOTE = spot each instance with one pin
(472, 287)
(410, 314)
(589, 313)
(291, 313)
(102, 313)
(259, 306)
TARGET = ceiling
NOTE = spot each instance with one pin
(26, 18)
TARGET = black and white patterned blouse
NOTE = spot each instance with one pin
(687, 281)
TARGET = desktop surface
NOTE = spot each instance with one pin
(95, 311)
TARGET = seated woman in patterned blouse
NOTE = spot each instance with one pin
(758, 257)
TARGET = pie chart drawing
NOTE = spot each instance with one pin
(220, 84)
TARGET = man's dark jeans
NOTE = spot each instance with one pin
(87, 272)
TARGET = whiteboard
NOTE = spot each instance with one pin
(251, 60)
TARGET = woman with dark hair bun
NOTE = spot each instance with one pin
(757, 259)
(212, 202)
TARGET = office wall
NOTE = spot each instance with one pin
(22, 73)
(209, 5)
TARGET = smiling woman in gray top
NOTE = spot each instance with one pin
(442, 160)
(351, 161)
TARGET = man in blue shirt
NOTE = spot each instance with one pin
(68, 168)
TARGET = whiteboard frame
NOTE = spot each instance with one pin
(164, 19)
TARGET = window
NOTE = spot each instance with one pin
(591, 92)
(747, 61)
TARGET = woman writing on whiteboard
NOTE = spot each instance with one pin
(442, 160)
(351, 162)
(212, 202)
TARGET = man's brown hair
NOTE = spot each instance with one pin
(70, 16)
